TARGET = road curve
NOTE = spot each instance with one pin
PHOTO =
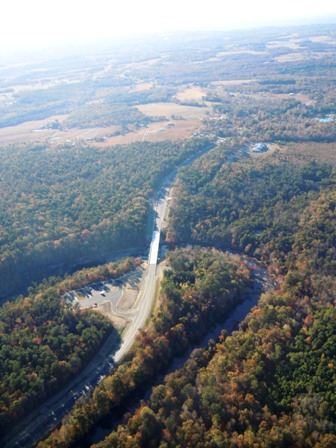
(41, 421)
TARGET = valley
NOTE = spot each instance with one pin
(149, 191)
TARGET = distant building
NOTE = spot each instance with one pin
(326, 120)
(259, 147)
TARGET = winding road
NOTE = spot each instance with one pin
(42, 421)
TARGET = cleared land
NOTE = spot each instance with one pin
(324, 152)
(172, 109)
(156, 132)
(33, 132)
(191, 93)
(113, 299)
(231, 82)
(30, 131)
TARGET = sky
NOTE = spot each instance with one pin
(43, 23)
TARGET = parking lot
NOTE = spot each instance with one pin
(108, 295)
(96, 294)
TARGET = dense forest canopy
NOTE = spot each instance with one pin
(43, 345)
(253, 205)
(75, 195)
(273, 382)
(75, 205)
(45, 342)
(200, 289)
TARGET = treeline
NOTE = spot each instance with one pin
(71, 206)
(199, 290)
(102, 114)
(133, 97)
(37, 104)
(86, 276)
(272, 383)
(43, 345)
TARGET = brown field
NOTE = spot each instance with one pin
(191, 93)
(169, 109)
(283, 96)
(293, 44)
(324, 152)
(156, 132)
(142, 86)
(84, 134)
(232, 82)
(222, 54)
(30, 132)
(323, 39)
(291, 57)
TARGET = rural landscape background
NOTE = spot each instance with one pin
(150, 188)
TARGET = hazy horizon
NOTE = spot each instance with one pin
(42, 24)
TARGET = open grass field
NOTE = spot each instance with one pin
(143, 86)
(31, 132)
(168, 110)
(291, 43)
(323, 39)
(324, 152)
(283, 96)
(192, 93)
(232, 82)
(297, 57)
(187, 121)
(291, 57)
(156, 132)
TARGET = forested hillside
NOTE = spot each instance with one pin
(273, 382)
(200, 289)
(45, 343)
(257, 206)
(86, 141)
(70, 206)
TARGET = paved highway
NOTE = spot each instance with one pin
(44, 419)
(147, 298)
(41, 421)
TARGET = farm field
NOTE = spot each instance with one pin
(169, 110)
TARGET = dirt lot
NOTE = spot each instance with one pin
(106, 310)
(115, 298)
